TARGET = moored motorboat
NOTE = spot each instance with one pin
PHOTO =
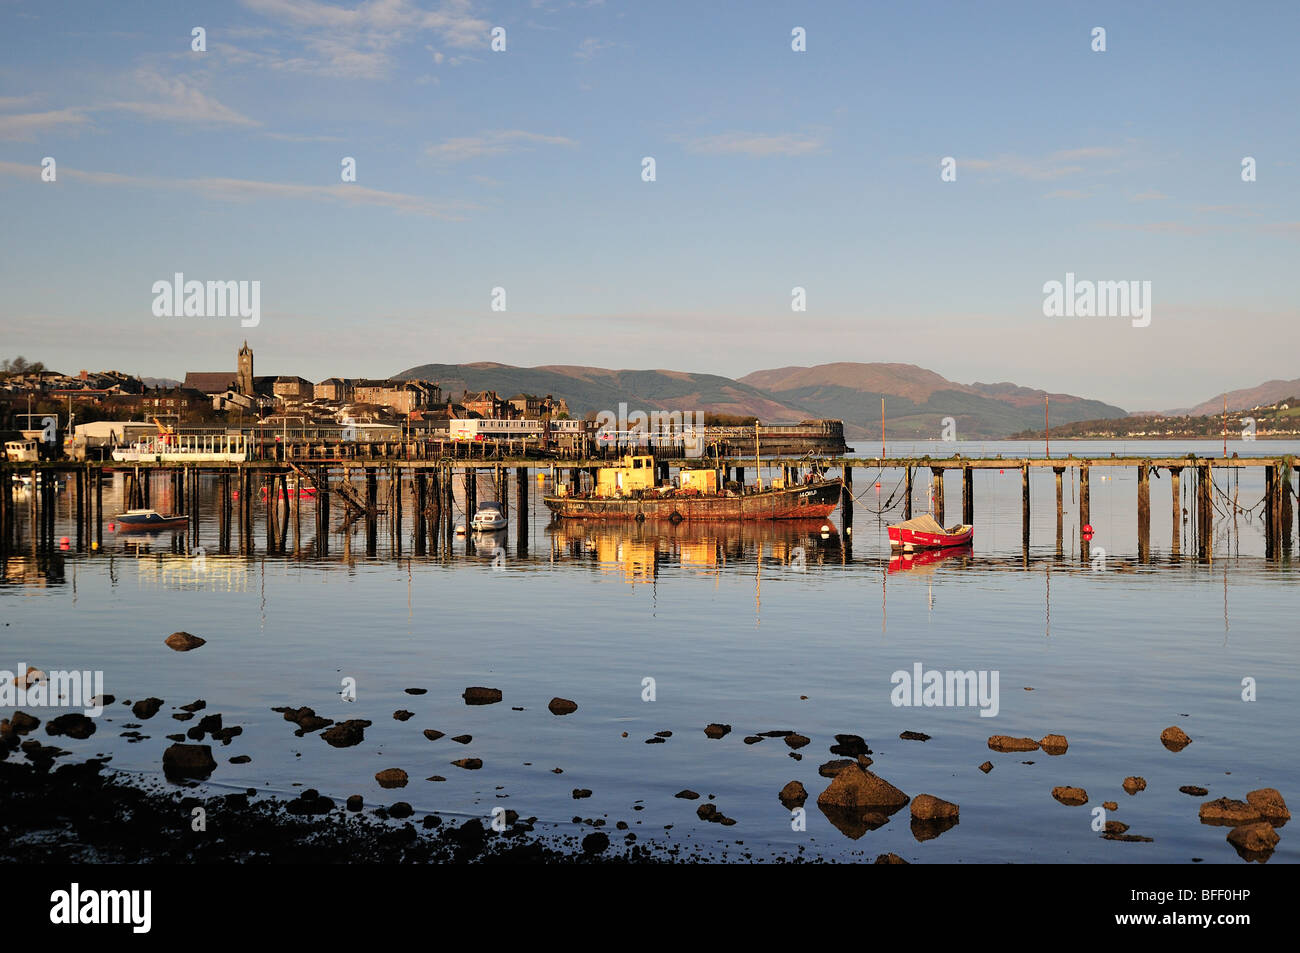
(137, 521)
(487, 518)
(925, 532)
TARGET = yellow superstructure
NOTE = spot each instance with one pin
(633, 473)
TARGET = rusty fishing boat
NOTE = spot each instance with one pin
(627, 491)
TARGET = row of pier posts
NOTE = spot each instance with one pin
(433, 499)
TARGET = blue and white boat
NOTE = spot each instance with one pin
(134, 521)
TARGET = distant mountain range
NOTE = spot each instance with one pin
(916, 400)
(1267, 393)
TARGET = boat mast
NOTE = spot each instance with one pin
(882, 426)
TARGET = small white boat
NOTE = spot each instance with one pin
(487, 517)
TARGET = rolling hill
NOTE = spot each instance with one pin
(1269, 392)
(916, 399)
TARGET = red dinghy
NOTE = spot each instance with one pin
(924, 532)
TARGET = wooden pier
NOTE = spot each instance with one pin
(352, 487)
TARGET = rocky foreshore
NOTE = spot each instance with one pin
(83, 813)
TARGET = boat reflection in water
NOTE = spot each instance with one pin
(640, 550)
(905, 562)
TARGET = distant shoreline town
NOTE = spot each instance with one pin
(92, 402)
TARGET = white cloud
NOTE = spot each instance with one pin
(178, 101)
(492, 144)
(740, 143)
(356, 42)
(23, 127)
(242, 190)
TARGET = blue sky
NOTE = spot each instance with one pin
(775, 169)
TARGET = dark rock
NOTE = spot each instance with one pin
(462, 739)
(663, 734)
(562, 706)
(1226, 811)
(855, 787)
(1070, 796)
(391, 778)
(400, 810)
(1269, 803)
(146, 708)
(792, 795)
(654, 741)
(346, 733)
(580, 793)
(796, 741)
(889, 859)
(194, 706)
(432, 734)
(188, 761)
(1054, 744)
(469, 764)
(310, 802)
(715, 730)
(74, 725)
(481, 696)
(850, 746)
(1132, 784)
(986, 767)
(417, 691)
(1254, 838)
(832, 768)
(687, 795)
(240, 759)
(1006, 743)
(402, 715)
(927, 807)
(595, 843)
(914, 736)
(1174, 738)
(183, 641)
(752, 739)
(1194, 791)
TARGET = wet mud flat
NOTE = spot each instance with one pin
(84, 813)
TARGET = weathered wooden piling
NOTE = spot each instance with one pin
(1284, 492)
(1024, 508)
(846, 498)
(907, 500)
(1175, 495)
(1144, 513)
(1204, 512)
(967, 495)
(1085, 511)
(936, 492)
(1059, 473)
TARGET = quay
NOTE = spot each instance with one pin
(427, 483)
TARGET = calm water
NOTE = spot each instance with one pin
(734, 624)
